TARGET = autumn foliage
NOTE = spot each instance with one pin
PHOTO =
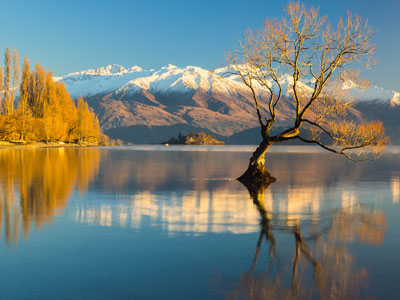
(304, 45)
(44, 110)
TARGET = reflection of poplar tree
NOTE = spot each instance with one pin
(36, 185)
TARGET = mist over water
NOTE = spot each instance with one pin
(161, 222)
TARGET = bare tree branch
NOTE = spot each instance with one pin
(308, 48)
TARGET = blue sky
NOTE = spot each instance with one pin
(72, 35)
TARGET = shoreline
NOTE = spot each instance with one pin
(8, 145)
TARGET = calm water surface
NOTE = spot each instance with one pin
(150, 222)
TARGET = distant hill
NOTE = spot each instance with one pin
(143, 134)
(149, 106)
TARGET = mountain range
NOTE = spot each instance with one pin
(150, 106)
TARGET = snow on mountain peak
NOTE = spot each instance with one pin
(102, 80)
(395, 99)
(135, 69)
(111, 70)
(169, 67)
(170, 78)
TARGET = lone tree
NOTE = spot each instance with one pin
(307, 47)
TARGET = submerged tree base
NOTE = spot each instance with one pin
(256, 175)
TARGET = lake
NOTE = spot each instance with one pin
(155, 222)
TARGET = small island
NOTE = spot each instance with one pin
(192, 138)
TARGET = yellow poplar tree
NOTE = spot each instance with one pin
(46, 112)
(1, 87)
(23, 111)
(88, 129)
(15, 78)
(7, 81)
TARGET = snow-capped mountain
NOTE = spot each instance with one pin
(215, 100)
(170, 78)
(100, 81)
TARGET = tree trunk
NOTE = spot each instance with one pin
(256, 172)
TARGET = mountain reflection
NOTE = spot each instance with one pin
(395, 188)
(321, 266)
(190, 193)
(185, 212)
(305, 236)
(35, 185)
(181, 192)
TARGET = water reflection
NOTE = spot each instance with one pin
(193, 212)
(35, 185)
(395, 187)
(297, 238)
(321, 267)
(182, 192)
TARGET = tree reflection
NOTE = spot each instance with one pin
(322, 267)
(35, 184)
